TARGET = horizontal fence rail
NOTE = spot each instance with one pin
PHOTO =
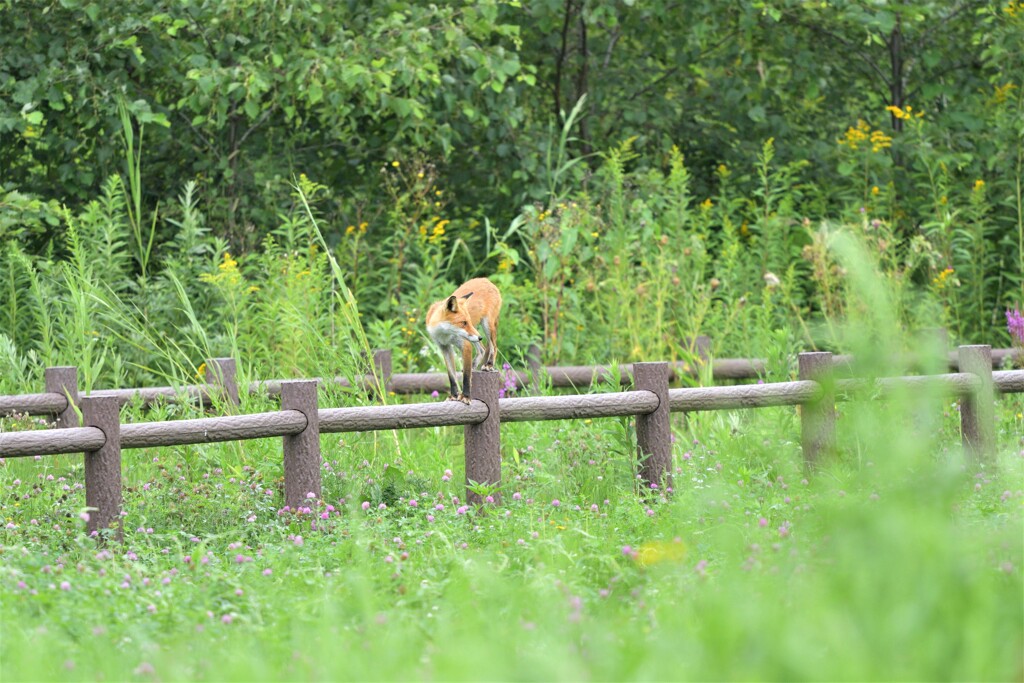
(212, 429)
(51, 441)
(535, 408)
(370, 418)
(221, 380)
(300, 421)
(743, 396)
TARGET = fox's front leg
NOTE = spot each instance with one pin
(449, 364)
(467, 371)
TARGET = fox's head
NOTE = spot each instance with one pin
(450, 319)
(459, 318)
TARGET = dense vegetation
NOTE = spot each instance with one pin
(593, 153)
(292, 183)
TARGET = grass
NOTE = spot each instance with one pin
(897, 560)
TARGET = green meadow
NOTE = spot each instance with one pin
(293, 184)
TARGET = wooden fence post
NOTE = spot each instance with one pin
(103, 466)
(483, 440)
(977, 409)
(223, 374)
(533, 363)
(818, 418)
(302, 450)
(382, 367)
(654, 430)
(63, 380)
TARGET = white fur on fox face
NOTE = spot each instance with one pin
(446, 334)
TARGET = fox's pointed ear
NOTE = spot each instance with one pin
(452, 304)
(466, 296)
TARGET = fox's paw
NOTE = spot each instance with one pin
(465, 399)
(454, 398)
(488, 368)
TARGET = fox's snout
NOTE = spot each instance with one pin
(473, 338)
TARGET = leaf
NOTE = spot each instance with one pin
(315, 92)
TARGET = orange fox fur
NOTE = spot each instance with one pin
(452, 323)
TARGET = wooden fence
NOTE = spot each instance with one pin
(300, 421)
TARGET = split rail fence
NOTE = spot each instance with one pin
(300, 421)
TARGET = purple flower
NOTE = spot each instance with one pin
(1015, 324)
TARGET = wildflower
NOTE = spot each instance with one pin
(855, 135)
(879, 141)
(655, 552)
(556, 502)
(904, 113)
(979, 185)
(771, 280)
(706, 204)
(65, 586)
(875, 191)
(1015, 325)
(941, 281)
(395, 164)
(1001, 92)
(366, 505)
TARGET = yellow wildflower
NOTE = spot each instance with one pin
(349, 230)
(979, 185)
(941, 281)
(875, 190)
(1001, 92)
(656, 552)
(879, 141)
(201, 370)
(855, 135)
(707, 204)
(395, 164)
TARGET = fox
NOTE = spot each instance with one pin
(452, 323)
